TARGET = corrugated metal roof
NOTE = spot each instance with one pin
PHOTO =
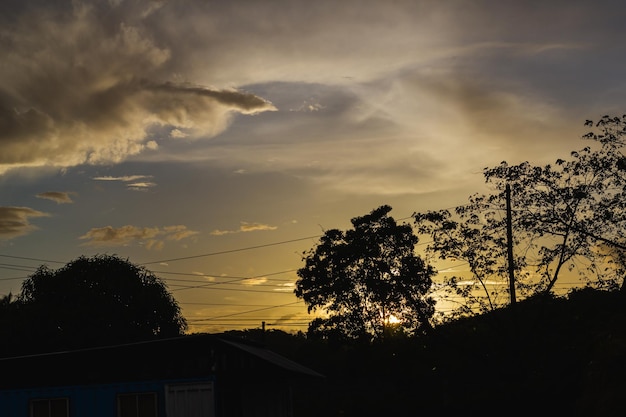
(273, 358)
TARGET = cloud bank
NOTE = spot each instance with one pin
(379, 98)
(14, 221)
(75, 89)
(150, 237)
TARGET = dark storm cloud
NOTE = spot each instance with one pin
(455, 85)
(14, 221)
(92, 81)
(78, 86)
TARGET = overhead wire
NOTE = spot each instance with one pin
(231, 250)
(232, 305)
(234, 277)
(238, 290)
(213, 285)
(31, 259)
(248, 311)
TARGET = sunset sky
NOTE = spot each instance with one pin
(214, 141)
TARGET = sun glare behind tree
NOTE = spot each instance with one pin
(367, 281)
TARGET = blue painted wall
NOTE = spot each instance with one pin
(87, 400)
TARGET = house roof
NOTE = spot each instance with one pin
(180, 357)
(273, 358)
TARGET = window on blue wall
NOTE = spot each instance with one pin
(143, 404)
(49, 407)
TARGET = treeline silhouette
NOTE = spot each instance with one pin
(551, 356)
(548, 355)
(98, 301)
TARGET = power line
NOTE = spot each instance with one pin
(240, 319)
(249, 311)
(232, 250)
(238, 281)
(232, 305)
(222, 276)
(31, 259)
(232, 289)
(12, 279)
(303, 324)
(210, 284)
(18, 267)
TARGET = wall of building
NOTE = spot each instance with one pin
(93, 400)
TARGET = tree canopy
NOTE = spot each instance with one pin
(567, 216)
(367, 280)
(95, 301)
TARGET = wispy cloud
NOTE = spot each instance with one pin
(245, 227)
(178, 232)
(471, 283)
(209, 278)
(132, 181)
(286, 287)
(125, 178)
(57, 196)
(439, 94)
(14, 221)
(252, 227)
(254, 281)
(141, 186)
(153, 238)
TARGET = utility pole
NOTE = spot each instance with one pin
(509, 244)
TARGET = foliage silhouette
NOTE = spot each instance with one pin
(568, 216)
(94, 301)
(365, 279)
(565, 358)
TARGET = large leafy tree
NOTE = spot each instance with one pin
(367, 280)
(472, 235)
(96, 301)
(569, 216)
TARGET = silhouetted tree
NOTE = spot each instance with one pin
(96, 301)
(365, 279)
(475, 234)
(8, 322)
(565, 216)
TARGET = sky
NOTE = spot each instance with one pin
(213, 142)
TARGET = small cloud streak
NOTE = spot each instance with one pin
(245, 227)
(151, 237)
(57, 196)
(14, 221)
(254, 281)
(485, 282)
(286, 287)
(132, 181)
(125, 178)
(178, 232)
(209, 278)
(141, 186)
